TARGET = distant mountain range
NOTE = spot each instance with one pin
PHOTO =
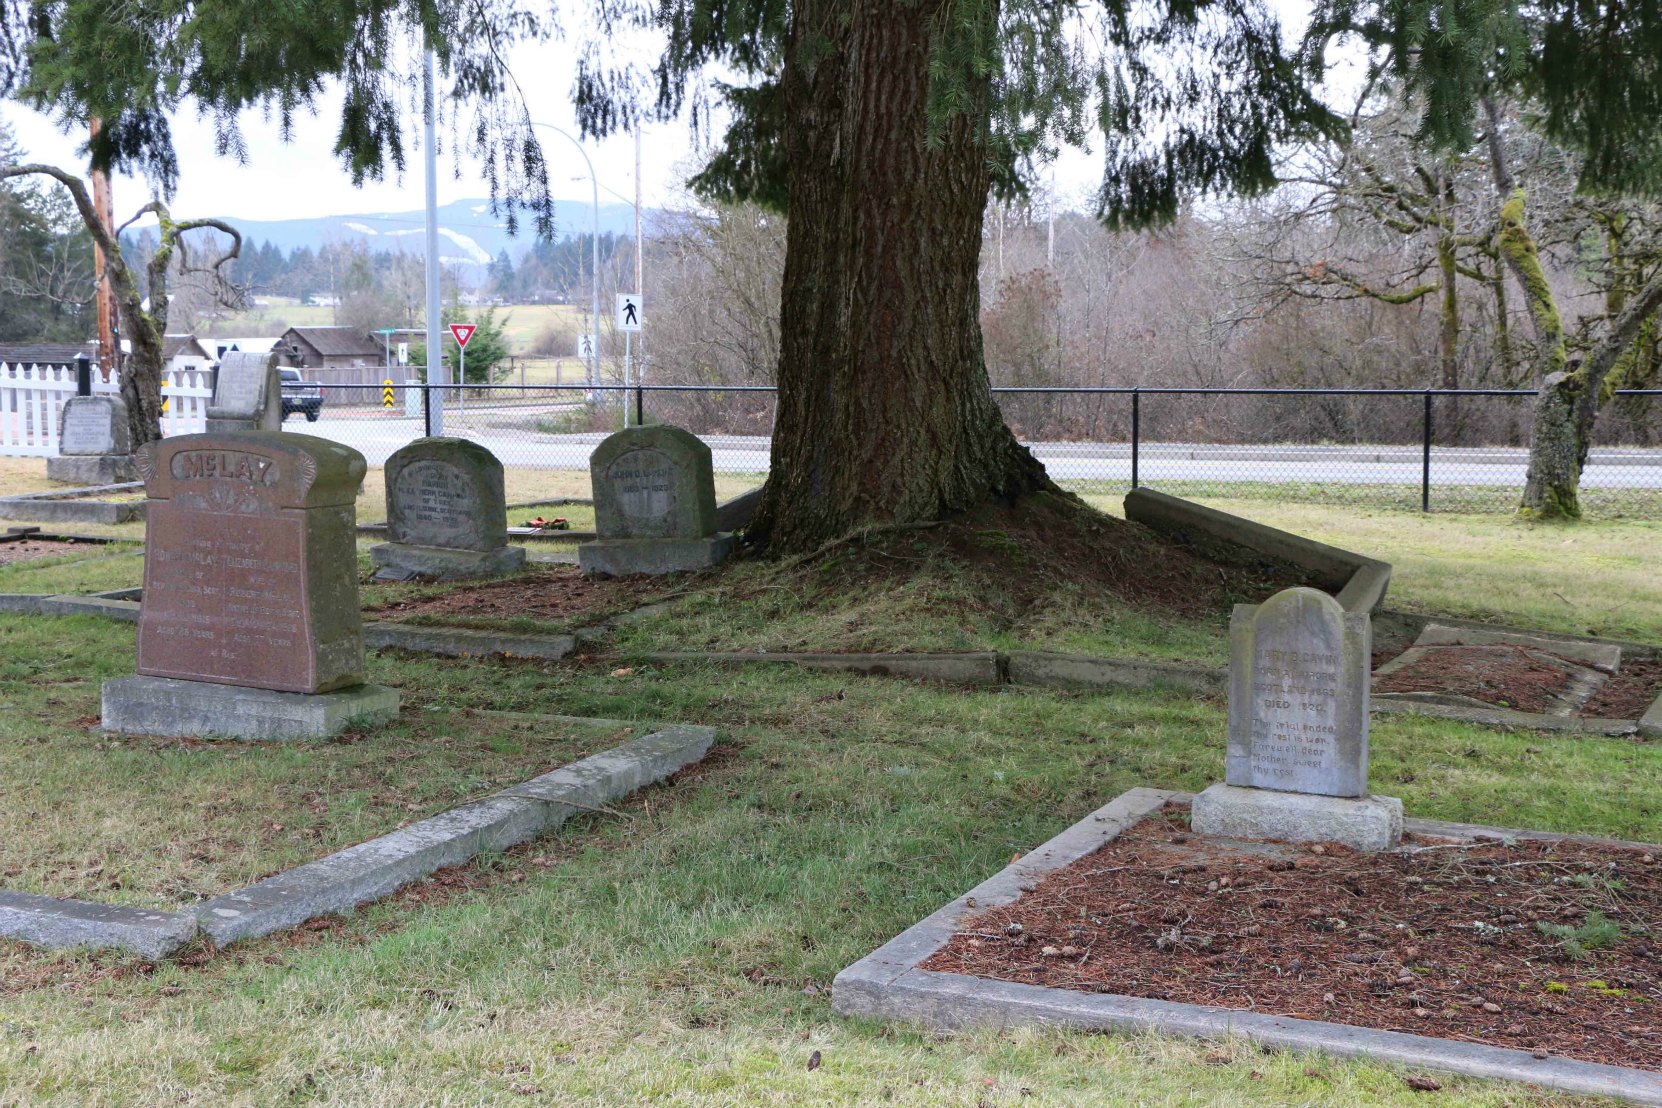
(469, 234)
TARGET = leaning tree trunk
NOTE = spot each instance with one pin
(885, 413)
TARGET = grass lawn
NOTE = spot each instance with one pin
(682, 951)
(165, 823)
(663, 956)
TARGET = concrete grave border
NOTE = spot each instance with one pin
(357, 875)
(75, 505)
(887, 985)
(1356, 581)
(1017, 667)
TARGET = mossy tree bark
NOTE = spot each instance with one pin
(885, 412)
(144, 324)
(1570, 395)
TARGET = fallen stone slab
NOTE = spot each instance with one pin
(26, 602)
(888, 985)
(958, 669)
(1357, 582)
(61, 922)
(1036, 667)
(371, 870)
(461, 642)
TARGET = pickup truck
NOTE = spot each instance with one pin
(300, 395)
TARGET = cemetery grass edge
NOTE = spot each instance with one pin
(666, 954)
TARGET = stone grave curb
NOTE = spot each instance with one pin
(1357, 582)
(463, 642)
(59, 923)
(1017, 667)
(887, 985)
(21, 534)
(342, 881)
(983, 668)
(74, 505)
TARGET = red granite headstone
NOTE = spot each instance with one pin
(251, 572)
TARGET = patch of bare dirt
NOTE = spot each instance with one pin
(1546, 947)
(27, 550)
(554, 594)
(1506, 676)
(1629, 693)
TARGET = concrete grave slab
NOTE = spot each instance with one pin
(187, 709)
(888, 985)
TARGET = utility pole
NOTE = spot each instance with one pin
(109, 346)
(436, 373)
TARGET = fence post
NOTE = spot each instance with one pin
(427, 409)
(640, 403)
(1136, 431)
(1425, 458)
(83, 375)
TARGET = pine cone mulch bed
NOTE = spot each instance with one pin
(1550, 947)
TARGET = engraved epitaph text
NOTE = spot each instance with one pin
(249, 579)
(644, 483)
(89, 427)
(1298, 696)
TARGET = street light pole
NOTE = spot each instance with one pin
(594, 236)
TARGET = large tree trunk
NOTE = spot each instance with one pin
(885, 413)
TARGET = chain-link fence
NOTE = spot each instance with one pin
(1429, 450)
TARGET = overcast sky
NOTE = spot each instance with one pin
(303, 178)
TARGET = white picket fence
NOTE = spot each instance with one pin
(32, 396)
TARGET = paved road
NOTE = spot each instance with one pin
(378, 435)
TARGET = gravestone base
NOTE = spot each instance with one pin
(402, 560)
(621, 557)
(184, 709)
(91, 469)
(1361, 823)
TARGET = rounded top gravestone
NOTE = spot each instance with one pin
(91, 425)
(653, 483)
(446, 492)
(1298, 695)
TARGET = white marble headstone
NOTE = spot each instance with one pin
(1298, 695)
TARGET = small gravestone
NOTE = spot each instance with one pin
(654, 505)
(1297, 763)
(94, 442)
(247, 396)
(447, 515)
(250, 623)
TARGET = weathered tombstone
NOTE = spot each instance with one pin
(249, 625)
(1297, 763)
(447, 515)
(654, 505)
(247, 395)
(94, 442)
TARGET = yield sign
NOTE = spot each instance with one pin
(463, 332)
